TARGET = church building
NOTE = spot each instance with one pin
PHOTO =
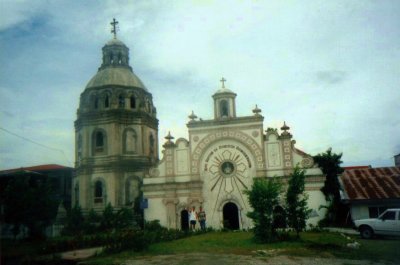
(220, 160)
(116, 150)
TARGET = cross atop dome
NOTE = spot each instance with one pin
(114, 28)
(223, 80)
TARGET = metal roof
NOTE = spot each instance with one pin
(371, 183)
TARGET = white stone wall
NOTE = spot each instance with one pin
(359, 212)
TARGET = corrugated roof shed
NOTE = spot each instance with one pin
(371, 183)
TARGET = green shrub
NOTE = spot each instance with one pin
(263, 197)
(127, 239)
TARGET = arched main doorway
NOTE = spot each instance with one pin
(184, 220)
(231, 216)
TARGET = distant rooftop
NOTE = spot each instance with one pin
(355, 167)
(365, 183)
(47, 167)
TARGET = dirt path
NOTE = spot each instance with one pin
(227, 259)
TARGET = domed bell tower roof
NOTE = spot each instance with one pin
(115, 68)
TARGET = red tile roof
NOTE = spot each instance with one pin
(355, 167)
(371, 183)
(34, 168)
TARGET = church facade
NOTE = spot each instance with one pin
(116, 151)
(220, 160)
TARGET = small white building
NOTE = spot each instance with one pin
(220, 160)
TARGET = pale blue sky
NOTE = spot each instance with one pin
(330, 69)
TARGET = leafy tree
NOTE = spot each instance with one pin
(32, 202)
(329, 163)
(108, 219)
(138, 211)
(263, 197)
(92, 222)
(123, 218)
(296, 201)
(74, 222)
(330, 166)
(15, 199)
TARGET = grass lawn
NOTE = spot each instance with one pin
(315, 244)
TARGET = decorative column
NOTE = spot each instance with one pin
(170, 205)
(287, 149)
(169, 157)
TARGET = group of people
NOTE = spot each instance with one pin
(197, 216)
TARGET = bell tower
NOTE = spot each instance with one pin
(116, 133)
(224, 103)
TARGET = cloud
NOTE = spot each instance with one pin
(18, 13)
(330, 69)
(330, 77)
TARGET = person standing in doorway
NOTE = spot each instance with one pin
(193, 218)
(202, 218)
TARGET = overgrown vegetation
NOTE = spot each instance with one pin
(112, 241)
(110, 219)
(263, 197)
(30, 202)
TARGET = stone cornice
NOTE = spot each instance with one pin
(222, 122)
(116, 116)
(112, 87)
(241, 127)
(115, 164)
(174, 186)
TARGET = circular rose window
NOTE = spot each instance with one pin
(227, 168)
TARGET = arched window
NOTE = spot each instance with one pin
(133, 102)
(121, 101)
(224, 108)
(151, 141)
(96, 102)
(98, 191)
(107, 102)
(130, 141)
(99, 139)
(111, 58)
(99, 142)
